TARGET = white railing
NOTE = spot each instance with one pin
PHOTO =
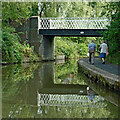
(70, 100)
(74, 23)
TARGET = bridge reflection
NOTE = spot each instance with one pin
(70, 100)
(51, 94)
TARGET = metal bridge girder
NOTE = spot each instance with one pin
(72, 32)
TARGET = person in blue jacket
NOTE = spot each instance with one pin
(91, 50)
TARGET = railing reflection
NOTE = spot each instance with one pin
(70, 100)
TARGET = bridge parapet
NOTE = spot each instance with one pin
(74, 23)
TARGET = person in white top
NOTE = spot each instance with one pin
(104, 51)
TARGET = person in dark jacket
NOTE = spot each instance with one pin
(91, 50)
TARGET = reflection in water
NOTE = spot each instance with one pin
(51, 90)
(70, 100)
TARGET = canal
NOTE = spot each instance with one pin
(54, 90)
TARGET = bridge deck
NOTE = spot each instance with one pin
(72, 32)
(83, 27)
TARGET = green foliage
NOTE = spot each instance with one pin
(15, 12)
(114, 58)
(112, 34)
(52, 9)
(69, 48)
(12, 49)
(34, 9)
(110, 9)
(78, 9)
(11, 45)
(28, 51)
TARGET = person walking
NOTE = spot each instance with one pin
(104, 51)
(91, 50)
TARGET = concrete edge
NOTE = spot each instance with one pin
(97, 74)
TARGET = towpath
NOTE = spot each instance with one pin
(111, 68)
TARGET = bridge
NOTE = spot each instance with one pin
(41, 32)
(83, 27)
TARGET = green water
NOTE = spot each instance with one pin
(54, 90)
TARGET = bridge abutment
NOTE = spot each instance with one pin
(43, 44)
(32, 36)
(48, 46)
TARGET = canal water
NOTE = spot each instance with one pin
(54, 90)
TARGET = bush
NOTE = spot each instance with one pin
(112, 35)
(12, 49)
(11, 45)
(69, 48)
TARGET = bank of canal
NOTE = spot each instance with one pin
(107, 74)
(54, 90)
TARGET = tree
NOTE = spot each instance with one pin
(112, 34)
(15, 12)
